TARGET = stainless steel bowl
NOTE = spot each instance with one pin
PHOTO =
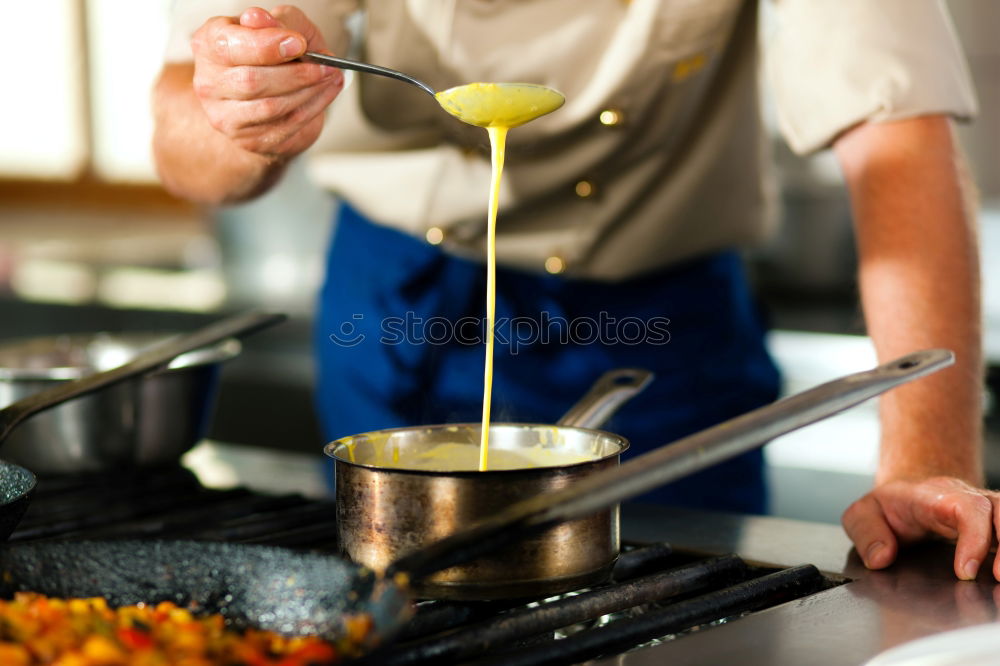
(144, 422)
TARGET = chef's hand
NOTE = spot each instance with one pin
(249, 89)
(899, 512)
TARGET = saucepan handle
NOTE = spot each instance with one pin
(668, 463)
(612, 389)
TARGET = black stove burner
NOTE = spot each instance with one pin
(654, 591)
(170, 503)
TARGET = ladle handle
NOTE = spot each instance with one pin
(367, 68)
(668, 463)
(612, 389)
(151, 359)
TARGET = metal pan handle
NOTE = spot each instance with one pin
(668, 463)
(612, 390)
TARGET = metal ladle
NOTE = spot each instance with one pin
(475, 103)
(367, 68)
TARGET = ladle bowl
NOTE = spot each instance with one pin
(482, 104)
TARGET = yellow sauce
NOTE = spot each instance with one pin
(498, 140)
(466, 458)
(503, 105)
(497, 107)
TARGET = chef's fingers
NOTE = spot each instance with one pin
(969, 514)
(973, 547)
(248, 82)
(255, 17)
(298, 107)
(225, 42)
(867, 527)
(254, 82)
(274, 128)
(944, 506)
(295, 19)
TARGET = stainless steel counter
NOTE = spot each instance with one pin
(845, 625)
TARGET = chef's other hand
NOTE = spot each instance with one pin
(250, 90)
(899, 512)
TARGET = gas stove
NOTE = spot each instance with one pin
(692, 587)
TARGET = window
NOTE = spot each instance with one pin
(77, 95)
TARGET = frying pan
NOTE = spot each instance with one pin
(277, 589)
(17, 484)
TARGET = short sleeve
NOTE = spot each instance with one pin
(832, 64)
(186, 17)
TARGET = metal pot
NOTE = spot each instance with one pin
(145, 421)
(385, 512)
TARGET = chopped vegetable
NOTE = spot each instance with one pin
(35, 629)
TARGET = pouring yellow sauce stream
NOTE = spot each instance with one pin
(496, 107)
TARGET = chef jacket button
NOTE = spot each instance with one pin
(434, 235)
(611, 117)
(584, 189)
(555, 265)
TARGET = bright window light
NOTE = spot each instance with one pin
(54, 281)
(126, 41)
(43, 114)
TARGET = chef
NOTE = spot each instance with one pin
(622, 214)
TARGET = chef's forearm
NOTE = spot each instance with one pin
(919, 281)
(196, 162)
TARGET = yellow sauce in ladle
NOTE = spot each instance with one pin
(499, 105)
(496, 107)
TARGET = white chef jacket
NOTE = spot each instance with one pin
(659, 153)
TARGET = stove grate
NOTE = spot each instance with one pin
(479, 638)
(620, 635)
(654, 592)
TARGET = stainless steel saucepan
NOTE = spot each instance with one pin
(152, 358)
(148, 421)
(385, 511)
(17, 484)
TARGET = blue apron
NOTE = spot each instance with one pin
(399, 343)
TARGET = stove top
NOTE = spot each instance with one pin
(821, 606)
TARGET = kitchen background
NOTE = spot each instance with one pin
(88, 241)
